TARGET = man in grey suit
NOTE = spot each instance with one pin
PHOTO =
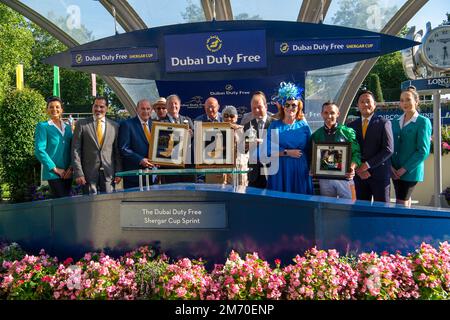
(95, 152)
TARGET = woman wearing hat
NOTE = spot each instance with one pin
(293, 148)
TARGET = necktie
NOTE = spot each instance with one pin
(146, 131)
(260, 124)
(364, 127)
(99, 132)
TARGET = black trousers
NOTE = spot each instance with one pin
(60, 187)
(379, 189)
(255, 178)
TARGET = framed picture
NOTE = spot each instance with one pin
(169, 144)
(214, 145)
(331, 160)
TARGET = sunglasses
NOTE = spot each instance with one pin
(161, 108)
(290, 105)
(229, 116)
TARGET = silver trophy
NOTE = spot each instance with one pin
(251, 134)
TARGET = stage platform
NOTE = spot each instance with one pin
(208, 221)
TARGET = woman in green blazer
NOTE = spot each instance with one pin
(52, 148)
(412, 138)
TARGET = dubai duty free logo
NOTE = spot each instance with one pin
(284, 47)
(214, 43)
(79, 58)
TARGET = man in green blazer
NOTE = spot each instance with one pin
(333, 132)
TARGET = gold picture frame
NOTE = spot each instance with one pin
(169, 144)
(214, 145)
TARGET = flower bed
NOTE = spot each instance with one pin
(141, 274)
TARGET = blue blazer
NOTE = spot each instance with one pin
(377, 147)
(133, 144)
(52, 149)
(133, 147)
(411, 147)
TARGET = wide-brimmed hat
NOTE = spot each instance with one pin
(160, 100)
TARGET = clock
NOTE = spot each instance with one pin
(410, 55)
(435, 48)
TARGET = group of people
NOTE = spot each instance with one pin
(381, 150)
(98, 147)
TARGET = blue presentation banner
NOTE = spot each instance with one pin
(114, 56)
(215, 51)
(237, 92)
(327, 46)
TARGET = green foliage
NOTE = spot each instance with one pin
(147, 276)
(390, 71)
(15, 39)
(19, 115)
(373, 84)
(193, 13)
(445, 141)
(75, 86)
(10, 252)
(364, 14)
(246, 16)
(81, 34)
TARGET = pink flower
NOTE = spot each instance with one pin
(181, 292)
(68, 261)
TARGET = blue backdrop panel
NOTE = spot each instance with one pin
(232, 92)
(267, 45)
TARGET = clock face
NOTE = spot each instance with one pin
(436, 48)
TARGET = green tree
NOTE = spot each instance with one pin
(19, 115)
(75, 85)
(389, 69)
(364, 14)
(81, 34)
(246, 16)
(193, 13)
(373, 84)
(15, 41)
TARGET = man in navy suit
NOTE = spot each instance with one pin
(260, 122)
(374, 135)
(134, 141)
(212, 113)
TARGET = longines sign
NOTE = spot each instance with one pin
(428, 84)
(214, 51)
(173, 215)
